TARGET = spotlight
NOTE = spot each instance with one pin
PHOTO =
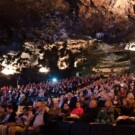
(54, 80)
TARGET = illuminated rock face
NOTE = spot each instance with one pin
(59, 54)
(102, 15)
(130, 46)
(110, 16)
(99, 18)
(113, 16)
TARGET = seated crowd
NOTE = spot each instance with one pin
(95, 99)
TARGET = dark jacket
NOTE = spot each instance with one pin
(90, 115)
(72, 103)
(11, 118)
(126, 110)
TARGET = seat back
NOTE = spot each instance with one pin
(125, 130)
(64, 128)
(80, 129)
(102, 129)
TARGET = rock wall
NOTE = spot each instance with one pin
(61, 23)
(114, 17)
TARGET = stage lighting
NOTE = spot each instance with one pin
(54, 80)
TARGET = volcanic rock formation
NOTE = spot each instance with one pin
(56, 33)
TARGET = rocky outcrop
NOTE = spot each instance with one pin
(63, 30)
(115, 18)
(60, 55)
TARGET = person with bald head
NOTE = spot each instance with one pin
(91, 112)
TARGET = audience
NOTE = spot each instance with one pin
(95, 99)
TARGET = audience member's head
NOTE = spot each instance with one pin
(93, 104)
(66, 106)
(26, 110)
(42, 106)
(125, 102)
(10, 108)
(108, 104)
(78, 104)
(130, 96)
(56, 104)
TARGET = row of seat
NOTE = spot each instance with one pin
(66, 128)
(76, 128)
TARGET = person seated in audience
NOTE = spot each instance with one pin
(122, 93)
(36, 104)
(50, 102)
(8, 119)
(41, 92)
(65, 111)
(116, 101)
(71, 100)
(133, 110)
(106, 114)
(38, 122)
(91, 113)
(2, 112)
(84, 103)
(22, 98)
(125, 108)
(54, 111)
(110, 111)
(127, 113)
(22, 121)
(24, 118)
(10, 115)
(131, 118)
(77, 112)
(62, 100)
(130, 98)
